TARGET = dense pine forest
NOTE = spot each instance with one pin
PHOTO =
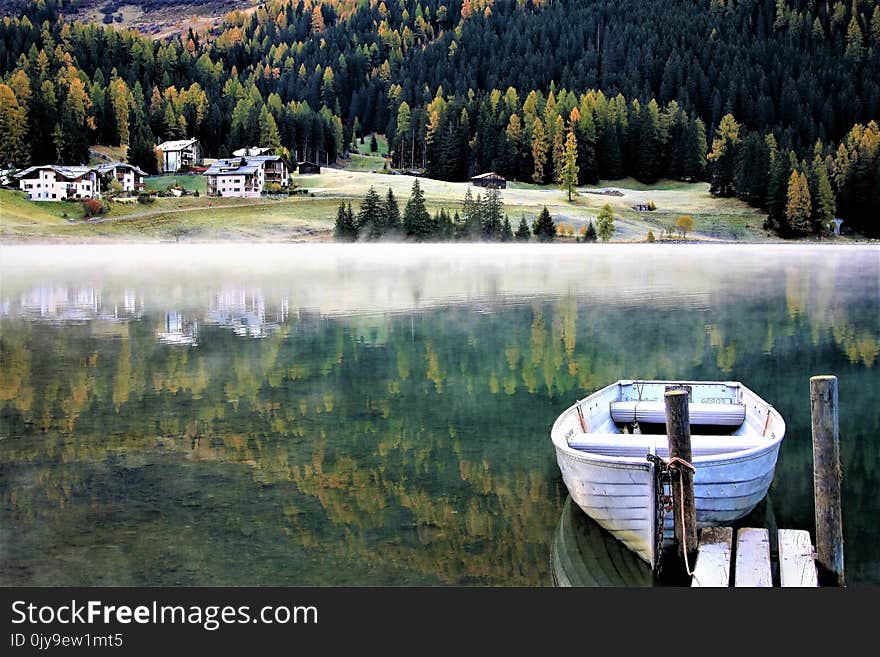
(774, 103)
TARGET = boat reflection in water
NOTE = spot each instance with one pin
(584, 554)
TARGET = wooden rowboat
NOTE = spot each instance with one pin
(603, 442)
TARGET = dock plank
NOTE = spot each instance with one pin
(753, 558)
(797, 562)
(713, 558)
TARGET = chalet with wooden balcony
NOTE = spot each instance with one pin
(129, 176)
(180, 155)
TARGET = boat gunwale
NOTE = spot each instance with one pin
(641, 463)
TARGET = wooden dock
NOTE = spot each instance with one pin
(742, 558)
(749, 564)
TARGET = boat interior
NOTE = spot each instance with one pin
(628, 419)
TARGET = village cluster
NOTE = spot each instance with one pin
(249, 173)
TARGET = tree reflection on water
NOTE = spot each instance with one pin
(316, 421)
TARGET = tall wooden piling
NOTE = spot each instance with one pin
(826, 479)
(684, 511)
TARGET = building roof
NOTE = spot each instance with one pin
(177, 145)
(227, 166)
(251, 150)
(111, 166)
(233, 166)
(264, 158)
(66, 171)
(491, 174)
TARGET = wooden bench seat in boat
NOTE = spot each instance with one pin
(722, 415)
(635, 445)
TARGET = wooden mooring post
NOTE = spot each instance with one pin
(799, 564)
(684, 511)
(827, 479)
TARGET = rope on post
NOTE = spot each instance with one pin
(673, 465)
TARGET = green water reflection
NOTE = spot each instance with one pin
(322, 421)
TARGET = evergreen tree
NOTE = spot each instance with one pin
(444, 226)
(752, 170)
(523, 233)
(798, 208)
(855, 42)
(777, 191)
(391, 213)
(472, 219)
(823, 200)
(417, 222)
(544, 228)
(370, 219)
(585, 134)
(507, 230)
(142, 142)
(650, 141)
(605, 223)
(73, 129)
(374, 144)
(694, 163)
(346, 229)
(568, 178)
(142, 149)
(724, 157)
(43, 116)
(590, 235)
(612, 140)
(492, 215)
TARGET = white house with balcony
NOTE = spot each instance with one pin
(180, 155)
(52, 182)
(128, 175)
(246, 177)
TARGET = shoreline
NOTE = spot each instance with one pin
(325, 238)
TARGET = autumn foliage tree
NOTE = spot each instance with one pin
(13, 130)
(684, 224)
(798, 208)
(568, 175)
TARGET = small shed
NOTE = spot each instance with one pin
(491, 179)
(642, 207)
(308, 167)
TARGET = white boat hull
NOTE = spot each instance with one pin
(618, 491)
(620, 496)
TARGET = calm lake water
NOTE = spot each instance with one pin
(379, 415)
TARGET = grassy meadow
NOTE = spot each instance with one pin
(311, 216)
